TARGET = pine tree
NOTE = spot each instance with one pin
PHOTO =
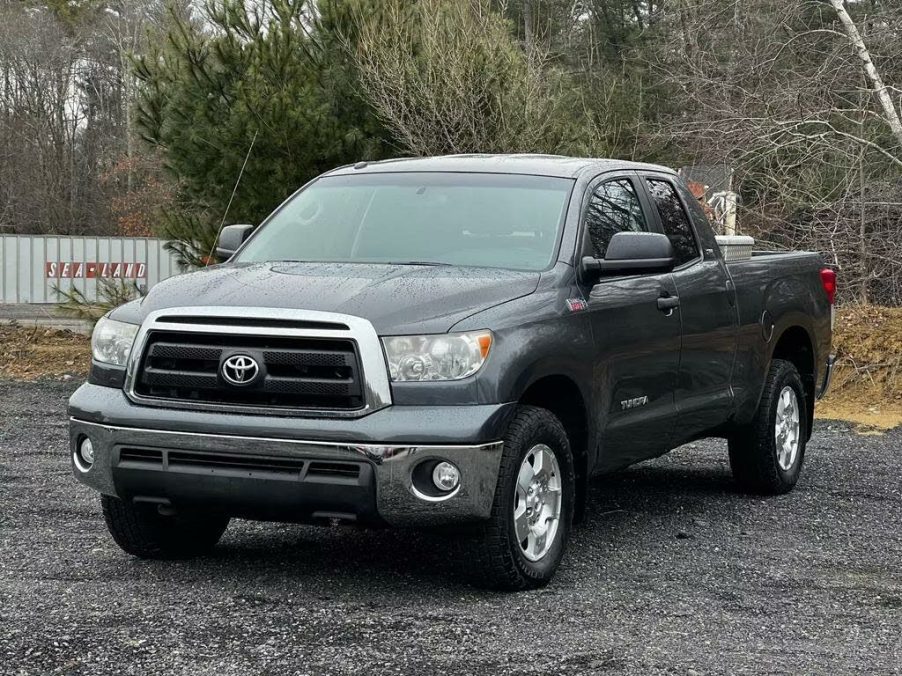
(270, 74)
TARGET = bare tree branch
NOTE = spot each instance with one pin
(880, 89)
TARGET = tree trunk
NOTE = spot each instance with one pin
(126, 79)
(863, 233)
(529, 34)
(880, 89)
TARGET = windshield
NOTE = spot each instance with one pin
(488, 220)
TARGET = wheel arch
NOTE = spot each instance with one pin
(796, 346)
(560, 394)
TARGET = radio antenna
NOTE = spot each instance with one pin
(232, 197)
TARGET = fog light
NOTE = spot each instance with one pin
(87, 451)
(84, 454)
(445, 476)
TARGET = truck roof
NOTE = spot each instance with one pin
(538, 165)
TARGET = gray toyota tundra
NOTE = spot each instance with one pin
(451, 342)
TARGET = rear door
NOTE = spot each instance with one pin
(704, 396)
(637, 346)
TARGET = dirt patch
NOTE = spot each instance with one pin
(39, 352)
(867, 383)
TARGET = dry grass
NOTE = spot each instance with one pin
(867, 385)
(39, 352)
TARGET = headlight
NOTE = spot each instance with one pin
(111, 342)
(448, 356)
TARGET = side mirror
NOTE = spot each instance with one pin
(231, 238)
(632, 253)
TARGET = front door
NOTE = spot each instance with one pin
(637, 345)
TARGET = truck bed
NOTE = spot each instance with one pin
(775, 284)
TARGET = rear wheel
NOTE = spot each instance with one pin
(141, 530)
(767, 455)
(523, 542)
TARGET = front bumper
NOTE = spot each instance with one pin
(235, 465)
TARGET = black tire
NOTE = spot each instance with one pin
(489, 553)
(142, 531)
(753, 449)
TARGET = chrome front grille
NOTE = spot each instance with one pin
(309, 363)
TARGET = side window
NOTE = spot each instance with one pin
(614, 207)
(696, 212)
(674, 220)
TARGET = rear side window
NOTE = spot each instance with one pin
(674, 220)
(696, 212)
(614, 207)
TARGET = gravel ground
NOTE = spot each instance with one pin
(673, 573)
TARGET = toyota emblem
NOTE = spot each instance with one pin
(240, 369)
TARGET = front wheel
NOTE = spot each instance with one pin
(767, 455)
(524, 539)
(142, 531)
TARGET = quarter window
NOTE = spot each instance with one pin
(614, 207)
(674, 220)
(693, 206)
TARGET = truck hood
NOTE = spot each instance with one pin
(397, 299)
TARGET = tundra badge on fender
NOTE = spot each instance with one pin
(635, 402)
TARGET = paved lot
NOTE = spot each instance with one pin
(673, 573)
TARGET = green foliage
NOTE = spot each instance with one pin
(191, 233)
(71, 13)
(271, 69)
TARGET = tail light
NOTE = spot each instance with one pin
(828, 280)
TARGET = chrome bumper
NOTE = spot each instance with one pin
(828, 376)
(397, 500)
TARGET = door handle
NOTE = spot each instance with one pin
(731, 292)
(668, 303)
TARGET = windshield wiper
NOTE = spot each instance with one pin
(427, 263)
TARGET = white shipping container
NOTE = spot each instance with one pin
(31, 265)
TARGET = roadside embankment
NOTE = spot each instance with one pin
(867, 384)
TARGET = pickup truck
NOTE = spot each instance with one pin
(452, 342)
